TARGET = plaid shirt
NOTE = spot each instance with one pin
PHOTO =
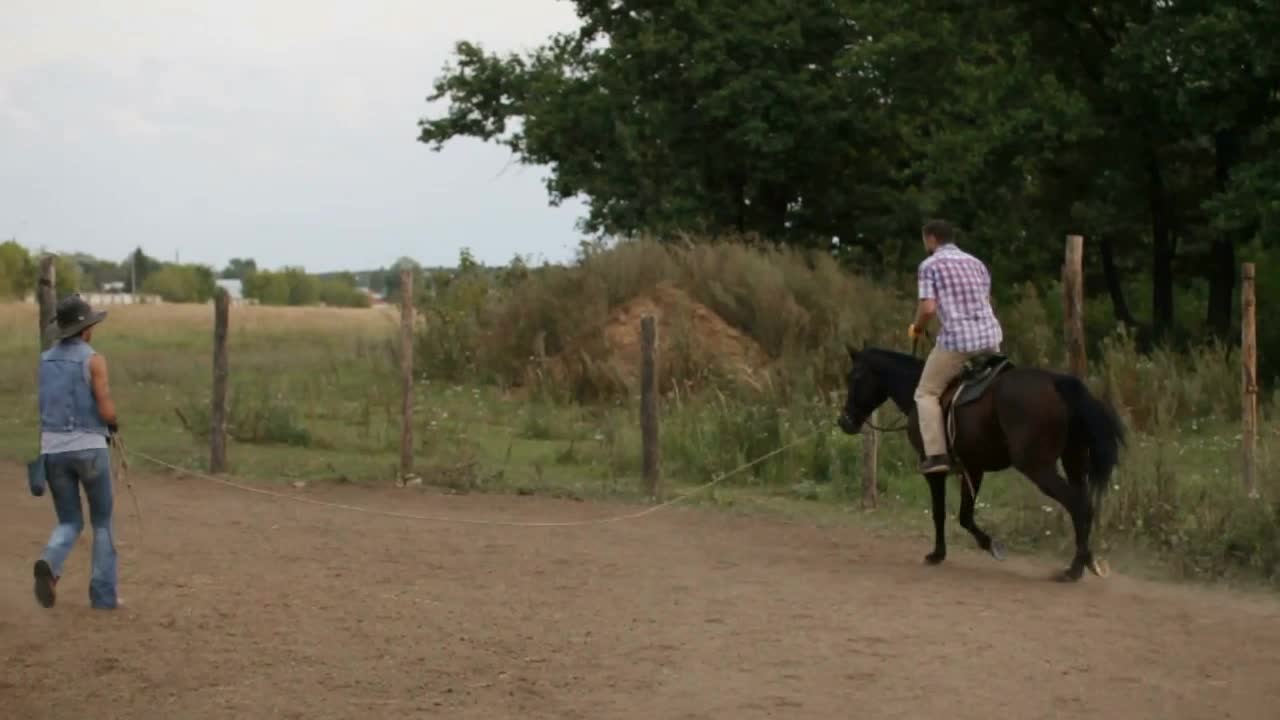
(961, 286)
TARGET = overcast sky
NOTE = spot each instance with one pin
(281, 130)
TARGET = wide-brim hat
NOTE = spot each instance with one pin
(74, 316)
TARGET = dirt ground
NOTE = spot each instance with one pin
(240, 606)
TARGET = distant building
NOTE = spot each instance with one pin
(375, 298)
(234, 287)
(113, 287)
(235, 291)
(111, 298)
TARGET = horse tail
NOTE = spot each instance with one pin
(1100, 425)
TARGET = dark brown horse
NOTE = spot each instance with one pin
(1027, 418)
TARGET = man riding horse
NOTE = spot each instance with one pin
(997, 416)
(956, 287)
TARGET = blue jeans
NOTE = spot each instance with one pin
(67, 473)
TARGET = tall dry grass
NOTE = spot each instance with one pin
(801, 308)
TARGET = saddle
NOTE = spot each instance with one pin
(972, 383)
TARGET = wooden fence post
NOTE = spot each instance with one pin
(218, 413)
(1073, 305)
(870, 450)
(1249, 386)
(47, 297)
(649, 406)
(540, 357)
(406, 374)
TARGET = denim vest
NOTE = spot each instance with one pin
(67, 404)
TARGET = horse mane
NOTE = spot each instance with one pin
(899, 360)
(900, 370)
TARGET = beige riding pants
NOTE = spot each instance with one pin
(941, 367)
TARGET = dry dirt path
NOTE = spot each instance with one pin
(239, 606)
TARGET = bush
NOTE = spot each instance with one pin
(256, 414)
(293, 286)
(800, 307)
(17, 271)
(342, 292)
(181, 283)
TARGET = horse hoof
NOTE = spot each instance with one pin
(1099, 567)
(997, 550)
(934, 558)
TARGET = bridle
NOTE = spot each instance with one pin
(906, 421)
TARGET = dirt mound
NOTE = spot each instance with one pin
(693, 342)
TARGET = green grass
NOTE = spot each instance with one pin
(315, 395)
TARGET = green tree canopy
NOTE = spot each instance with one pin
(239, 269)
(1146, 126)
(17, 271)
(181, 283)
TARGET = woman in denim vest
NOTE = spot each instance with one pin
(77, 419)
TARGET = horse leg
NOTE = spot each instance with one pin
(1075, 461)
(968, 496)
(1082, 520)
(938, 491)
(1076, 502)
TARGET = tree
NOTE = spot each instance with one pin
(1119, 120)
(181, 283)
(391, 278)
(67, 276)
(1146, 126)
(140, 264)
(239, 269)
(717, 117)
(1226, 72)
(96, 273)
(293, 286)
(303, 289)
(17, 271)
(340, 290)
(268, 288)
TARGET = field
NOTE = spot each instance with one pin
(771, 595)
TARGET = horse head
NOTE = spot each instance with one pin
(866, 391)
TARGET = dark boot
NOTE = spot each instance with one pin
(934, 464)
(44, 585)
